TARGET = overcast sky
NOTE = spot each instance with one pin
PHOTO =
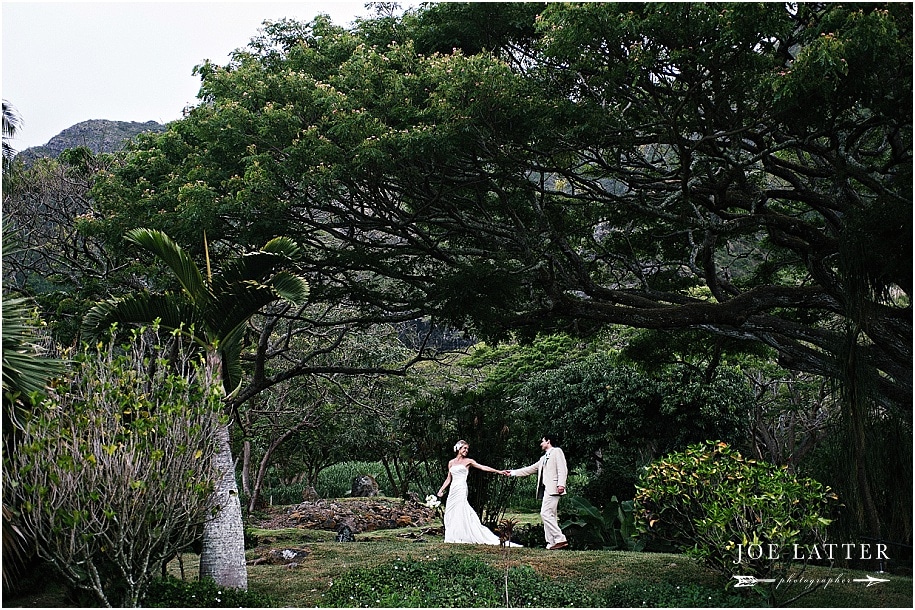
(67, 62)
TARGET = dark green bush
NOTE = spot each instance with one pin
(529, 535)
(171, 592)
(527, 589)
(610, 526)
(282, 495)
(452, 582)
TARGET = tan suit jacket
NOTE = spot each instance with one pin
(551, 470)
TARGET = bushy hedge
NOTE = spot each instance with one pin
(333, 482)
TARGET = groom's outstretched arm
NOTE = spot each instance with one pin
(527, 470)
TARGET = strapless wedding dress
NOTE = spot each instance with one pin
(462, 525)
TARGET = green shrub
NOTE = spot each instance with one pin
(452, 582)
(335, 481)
(529, 535)
(171, 592)
(113, 471)
(527, 589)
(709, 499)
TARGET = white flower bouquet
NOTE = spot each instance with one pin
(432, 501)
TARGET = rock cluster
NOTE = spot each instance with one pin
(358, 515)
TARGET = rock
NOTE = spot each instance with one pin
(309, 494)
(404, 521)
(345, 534)
(281, 557)
(364, 486)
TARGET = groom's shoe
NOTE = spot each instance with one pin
(558, 545)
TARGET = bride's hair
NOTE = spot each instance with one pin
(459, 444)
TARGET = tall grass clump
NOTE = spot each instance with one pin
(337, 481)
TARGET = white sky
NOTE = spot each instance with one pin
(67, 62)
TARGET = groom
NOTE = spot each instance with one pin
(551, 472)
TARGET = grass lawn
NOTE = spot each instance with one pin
(304, 584)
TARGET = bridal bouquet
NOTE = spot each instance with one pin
(432, 501)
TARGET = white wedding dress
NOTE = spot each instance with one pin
(462, 525)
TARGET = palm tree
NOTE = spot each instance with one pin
(11, 123)
(213, 311)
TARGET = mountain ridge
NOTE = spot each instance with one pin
(98, 135)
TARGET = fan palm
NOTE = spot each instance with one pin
(213, 310)
(11, 123)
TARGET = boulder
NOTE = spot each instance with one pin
(281, 557)
(364, 486)
(345, 534)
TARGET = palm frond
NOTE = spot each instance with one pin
(11, 120)
(25, 369)
(235, 304)
(16, 550)
(290, 287)
(230, 347)
(284, 246)
(173, 311)
(279, 253)
(220, 308)
(11, 124)
(182, 265)
(254, 266)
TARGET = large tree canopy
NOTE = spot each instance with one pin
(743, 169)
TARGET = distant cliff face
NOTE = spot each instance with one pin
(98, 135)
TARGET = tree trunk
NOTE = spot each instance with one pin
(223, 555)
(246, 468)
(265, 461)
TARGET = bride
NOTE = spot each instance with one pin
(462, 525)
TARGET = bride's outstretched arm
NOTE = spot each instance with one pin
(484, 468)
(445, 484)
